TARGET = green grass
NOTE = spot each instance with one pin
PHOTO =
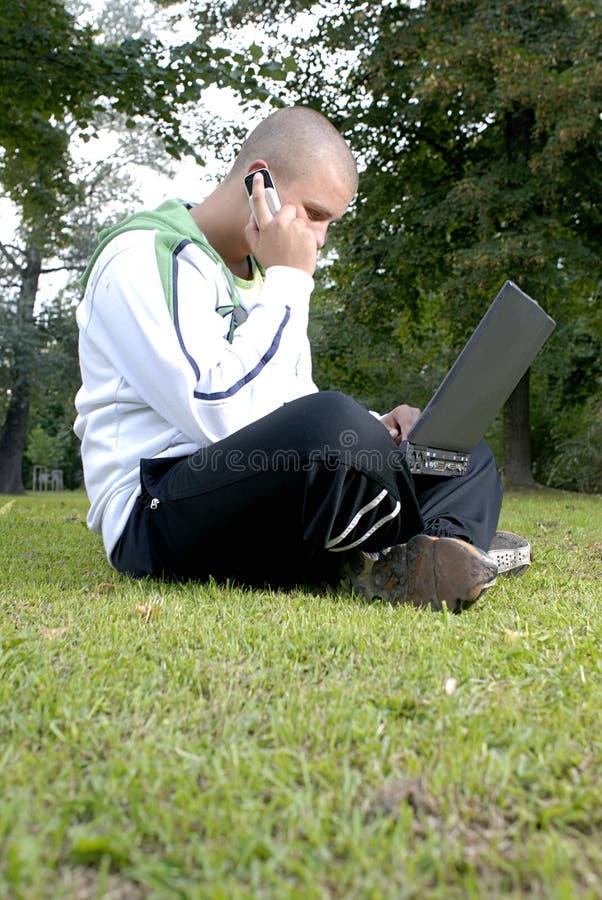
(201, 741)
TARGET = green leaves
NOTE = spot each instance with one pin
(57, 77)
(478, 123)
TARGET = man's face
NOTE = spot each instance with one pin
(320, 198)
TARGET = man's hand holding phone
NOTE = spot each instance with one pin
(276, 236)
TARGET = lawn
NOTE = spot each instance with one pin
(201, 740)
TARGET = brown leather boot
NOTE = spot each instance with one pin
(425, 572)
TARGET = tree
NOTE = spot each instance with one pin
(478, 125)
(55, 77)
(20, 343)
(50, 426)
(40, 340)
(60, 79)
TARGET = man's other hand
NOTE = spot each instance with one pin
(399, 421)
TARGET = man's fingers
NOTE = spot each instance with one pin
(400, 421)
(283, 239)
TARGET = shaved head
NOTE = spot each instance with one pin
(294, 141)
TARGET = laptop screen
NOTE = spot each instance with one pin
(496, 356)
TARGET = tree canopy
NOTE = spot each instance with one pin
(478, 130)
(60, 78)
(477, 123)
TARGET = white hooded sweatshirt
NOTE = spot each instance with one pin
(175, 354)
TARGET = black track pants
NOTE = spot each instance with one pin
(282, 500)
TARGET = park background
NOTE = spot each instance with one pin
(477, 129)
(202, 741)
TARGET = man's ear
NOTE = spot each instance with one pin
(257, 164)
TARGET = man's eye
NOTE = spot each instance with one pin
(314, 216)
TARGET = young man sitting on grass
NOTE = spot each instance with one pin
(208, 449)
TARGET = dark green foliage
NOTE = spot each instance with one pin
(478, 131)
(57, 76)
(60, 79)
(55, 385)
(478, 125)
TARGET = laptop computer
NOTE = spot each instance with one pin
(496, 356)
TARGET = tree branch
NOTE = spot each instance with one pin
(11, 259)
(56, 269)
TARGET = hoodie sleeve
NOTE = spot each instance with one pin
(181, 365)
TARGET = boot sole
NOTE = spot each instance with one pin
(427, 572)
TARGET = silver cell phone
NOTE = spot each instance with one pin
(271, 194)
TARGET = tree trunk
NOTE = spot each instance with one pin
(14, 429)
(517, 436)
